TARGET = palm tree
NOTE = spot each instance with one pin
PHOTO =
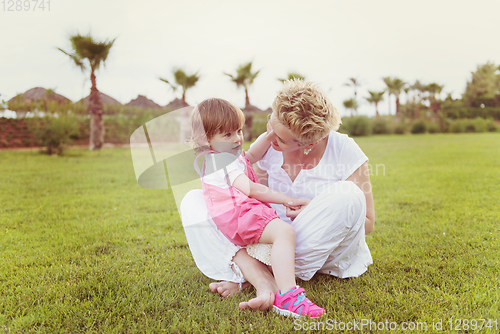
(375, 98)
(394, 87)
(433, 89)
(420, 88)
(184, 81)
(244, 78)
(351, 104)
(292, 76)
(95, 52)
(353, 82)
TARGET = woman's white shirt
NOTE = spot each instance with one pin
(342, 157)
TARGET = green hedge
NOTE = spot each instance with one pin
(464, 112)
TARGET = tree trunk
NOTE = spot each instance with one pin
(434, 109)
(376, 110)
(397, 105)
(95, 111)
(184, 97)
(247, 100)
(248, 125)
(389, 102)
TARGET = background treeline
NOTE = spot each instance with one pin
(60, 128)
(424, 112)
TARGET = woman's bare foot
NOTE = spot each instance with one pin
(227, 289)
(266, 290)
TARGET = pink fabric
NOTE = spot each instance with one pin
(240, 218)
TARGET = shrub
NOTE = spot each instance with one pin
(469, 125)
(259, 124)
(54, 132)
(491, 126)
(400, 128)
(457, 126)
(381, 126)
(356, 126)
(418, 127)
(433, 128)
(480, 124)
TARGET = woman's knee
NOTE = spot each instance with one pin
(346, 192)
(189, 215)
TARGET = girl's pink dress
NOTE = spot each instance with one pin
(240, 218)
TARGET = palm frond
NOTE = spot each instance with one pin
(174, 88)
(78, 61)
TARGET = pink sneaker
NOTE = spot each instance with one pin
(295, 303)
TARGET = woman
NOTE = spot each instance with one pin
(307, 159)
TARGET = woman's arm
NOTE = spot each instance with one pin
(261, 192)
(361, 177)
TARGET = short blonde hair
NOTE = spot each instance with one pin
(303, 108)
(213, 116)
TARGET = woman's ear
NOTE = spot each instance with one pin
(311, 146)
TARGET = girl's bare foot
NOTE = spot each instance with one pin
(227, 289)
(266, 290)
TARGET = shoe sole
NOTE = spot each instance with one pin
(285, 312)
(289, 313)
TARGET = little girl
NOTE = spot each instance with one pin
(237, 202)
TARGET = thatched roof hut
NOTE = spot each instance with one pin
(143, 102)
(40, 93)
(105, 99)
(176, 104)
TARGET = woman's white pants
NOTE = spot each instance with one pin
(330, 236)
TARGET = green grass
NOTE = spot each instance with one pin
(84, 249)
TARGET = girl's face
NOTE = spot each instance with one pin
(229, 142)
(283, 139)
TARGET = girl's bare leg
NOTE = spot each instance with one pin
(257, 274)
(282, 236)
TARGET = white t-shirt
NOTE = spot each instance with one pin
(342, 157)
(227, 168)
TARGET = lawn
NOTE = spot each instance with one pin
(84, 249)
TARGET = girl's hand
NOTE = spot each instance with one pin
(295, 207)
(293, 212)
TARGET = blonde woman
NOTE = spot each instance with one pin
(307, 159)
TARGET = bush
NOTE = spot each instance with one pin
(480, 124)
(381, 126)
(491, 126)
(54, 132)
(259, 124)
(356, 126)
(433, 128)
(400, 128)
(457, 126)
(418, 127)
(469, 125)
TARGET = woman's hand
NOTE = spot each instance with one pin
(296, 206)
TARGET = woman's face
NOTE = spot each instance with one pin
(283, 139)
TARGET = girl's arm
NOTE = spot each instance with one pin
(261, 192)
(260, 147)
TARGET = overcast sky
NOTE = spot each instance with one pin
(327, 41)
